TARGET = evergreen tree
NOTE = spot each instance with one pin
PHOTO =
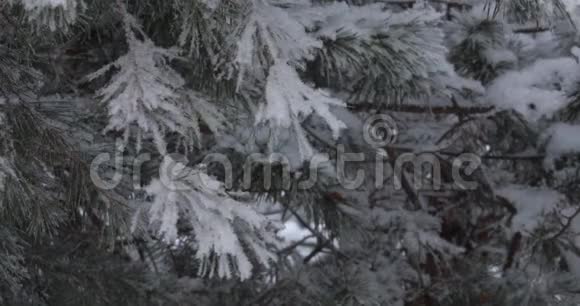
(193, 152)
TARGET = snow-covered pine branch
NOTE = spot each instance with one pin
(390, 242)
(289, 101)
(54, 14)
(380, 56)
(274, 43)
(479, 46)
(198, 27)
(230, 235)
(534, 13)
(272, 30)
(147, 94)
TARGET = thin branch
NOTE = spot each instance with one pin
(316, 233)
(296, 244)
(532, 30)
(422, 109)
(566, 226)
(407, 186)
(319, 248)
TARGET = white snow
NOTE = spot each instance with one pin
(272, 28)
(532, 205)
(289, 99)
(498, 56)
(34, 4)
(212, 4)
(536, 91)
(362, 21)
(293, 233)
(564, 139)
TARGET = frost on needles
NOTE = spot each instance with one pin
(206, 119)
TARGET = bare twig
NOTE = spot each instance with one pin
(566, 225)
